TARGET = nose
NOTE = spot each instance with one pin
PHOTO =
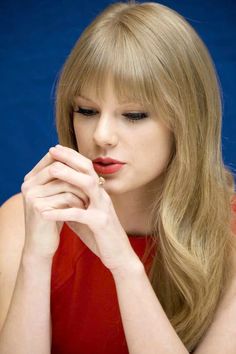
(106, 131)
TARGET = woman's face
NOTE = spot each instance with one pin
(103, 129)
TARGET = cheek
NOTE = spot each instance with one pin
(80, 134)
(158, 149)
(77, 135)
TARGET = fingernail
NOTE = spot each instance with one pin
(59, 146)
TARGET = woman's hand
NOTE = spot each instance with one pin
(41, 191)
(96, 223)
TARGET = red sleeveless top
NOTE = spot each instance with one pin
(84, 306)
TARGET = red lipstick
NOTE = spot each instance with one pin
(107, 165)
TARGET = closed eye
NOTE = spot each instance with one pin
(85, 112)
(134, 116)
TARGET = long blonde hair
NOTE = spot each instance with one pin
(155, 57)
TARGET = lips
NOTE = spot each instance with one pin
(107, 165)
(107, 160)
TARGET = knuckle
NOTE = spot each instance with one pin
(28, 192)
(69, 198)
(90, 183)
(29, 197)
(37, 206)
(57, 164)
(55, 167)
(26, 177)
(25, 188)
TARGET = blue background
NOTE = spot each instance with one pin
(35, 39)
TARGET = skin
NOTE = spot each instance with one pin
(145, 146)
(63, 186)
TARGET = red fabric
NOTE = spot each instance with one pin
(84, 306)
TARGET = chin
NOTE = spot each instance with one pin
(111, 187)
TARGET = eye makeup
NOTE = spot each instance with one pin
(130, 116)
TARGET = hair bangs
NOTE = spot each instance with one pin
(120, 59)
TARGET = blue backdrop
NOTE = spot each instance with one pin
(35, 39)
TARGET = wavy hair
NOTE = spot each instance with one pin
(155, 57)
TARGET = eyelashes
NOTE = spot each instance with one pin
(132, 117)
(136, 116)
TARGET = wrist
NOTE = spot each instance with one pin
(34, 271)
(132, 267)
(29, 260)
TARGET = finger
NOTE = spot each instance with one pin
(88, 184)
(73, 159)
(69, 214)
(78, 215)
(59, 201)
(41, 177)
(56, 187)
(45, 161)
(47, 174)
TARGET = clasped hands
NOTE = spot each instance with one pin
(63, 187)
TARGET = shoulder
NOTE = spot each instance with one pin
(12, 223)
(15, 201)
(13, 210)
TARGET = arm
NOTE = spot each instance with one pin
(146, 326)
(221, 335)
(27, 327)
(24, 284)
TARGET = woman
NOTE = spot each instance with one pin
(123, 235)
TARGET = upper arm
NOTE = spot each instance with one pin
(12, 235)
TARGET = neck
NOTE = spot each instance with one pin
(133, 210)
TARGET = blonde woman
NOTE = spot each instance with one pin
(122, 240)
